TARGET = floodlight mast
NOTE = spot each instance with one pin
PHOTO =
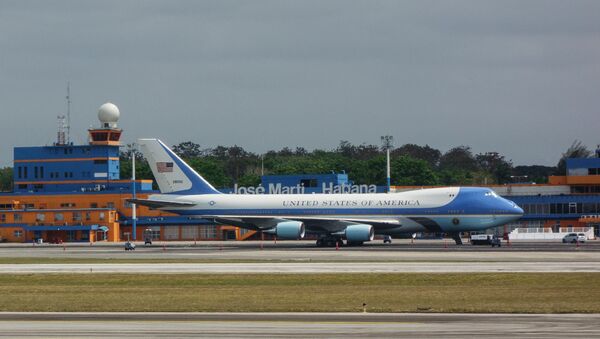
(386, 143)
(133, 207)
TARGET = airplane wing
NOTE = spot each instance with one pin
(315, 224)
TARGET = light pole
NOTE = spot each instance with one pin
(133, 211)
(386, 143)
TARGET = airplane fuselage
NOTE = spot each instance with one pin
(447, 209)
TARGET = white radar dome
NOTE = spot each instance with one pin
(108, 113)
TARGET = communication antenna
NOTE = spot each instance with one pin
(60, 140)
(68, 127)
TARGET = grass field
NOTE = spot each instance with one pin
(505, 292)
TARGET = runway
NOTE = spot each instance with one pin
(304, 251)
(296, 325)
(290, 267)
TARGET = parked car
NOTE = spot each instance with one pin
(129, 246)
(574, 237)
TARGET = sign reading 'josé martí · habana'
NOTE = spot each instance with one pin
(300, 189)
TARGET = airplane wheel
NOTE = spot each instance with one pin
(319, 242)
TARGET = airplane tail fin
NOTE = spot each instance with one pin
(172, 174)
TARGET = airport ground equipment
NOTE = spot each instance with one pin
(485, 239)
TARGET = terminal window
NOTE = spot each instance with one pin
(308, 182)
(76, 216)
(18, 233)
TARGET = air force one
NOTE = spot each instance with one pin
(334, 217)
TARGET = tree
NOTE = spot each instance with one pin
(188, 150)
(577, 150)
(236, 162)
(212, 170)
(495, 164)
(6, 179)
(409, 171)
(129, 150)
(455, 177)
(459, 158)
(346, 149)
(431, 155)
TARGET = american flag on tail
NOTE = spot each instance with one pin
(164, 167)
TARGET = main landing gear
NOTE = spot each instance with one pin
(456, 238)
(330, 241)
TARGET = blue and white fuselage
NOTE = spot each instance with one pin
(448, 209)
(357, 217)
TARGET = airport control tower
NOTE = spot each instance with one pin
(64, 167)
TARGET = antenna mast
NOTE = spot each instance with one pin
(68, 127)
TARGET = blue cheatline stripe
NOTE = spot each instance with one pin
(199, 184)
(330, 211)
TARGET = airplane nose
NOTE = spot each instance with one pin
(519, 210)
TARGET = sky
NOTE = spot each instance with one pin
(521, 78)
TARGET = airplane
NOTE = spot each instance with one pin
(357, 218)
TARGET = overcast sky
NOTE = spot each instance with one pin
(517, 77)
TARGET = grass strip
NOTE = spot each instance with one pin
(406, 292)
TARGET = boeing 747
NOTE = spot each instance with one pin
(357, 218)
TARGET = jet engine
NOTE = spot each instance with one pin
(290, 230)
(359, 233)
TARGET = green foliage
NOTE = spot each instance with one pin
(455, 177)
(458, 158)
(495, 164)
(6, 179)
(410, 171)
(212, 170)
(576, 150)
(410, 164)
(249, 180)
(431, 155)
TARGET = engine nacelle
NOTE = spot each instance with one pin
(360, 232)
(290, 230)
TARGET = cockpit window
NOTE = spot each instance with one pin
(491, 194)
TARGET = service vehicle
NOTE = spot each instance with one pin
(485, 239)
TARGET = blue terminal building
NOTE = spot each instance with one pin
(66, 192)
